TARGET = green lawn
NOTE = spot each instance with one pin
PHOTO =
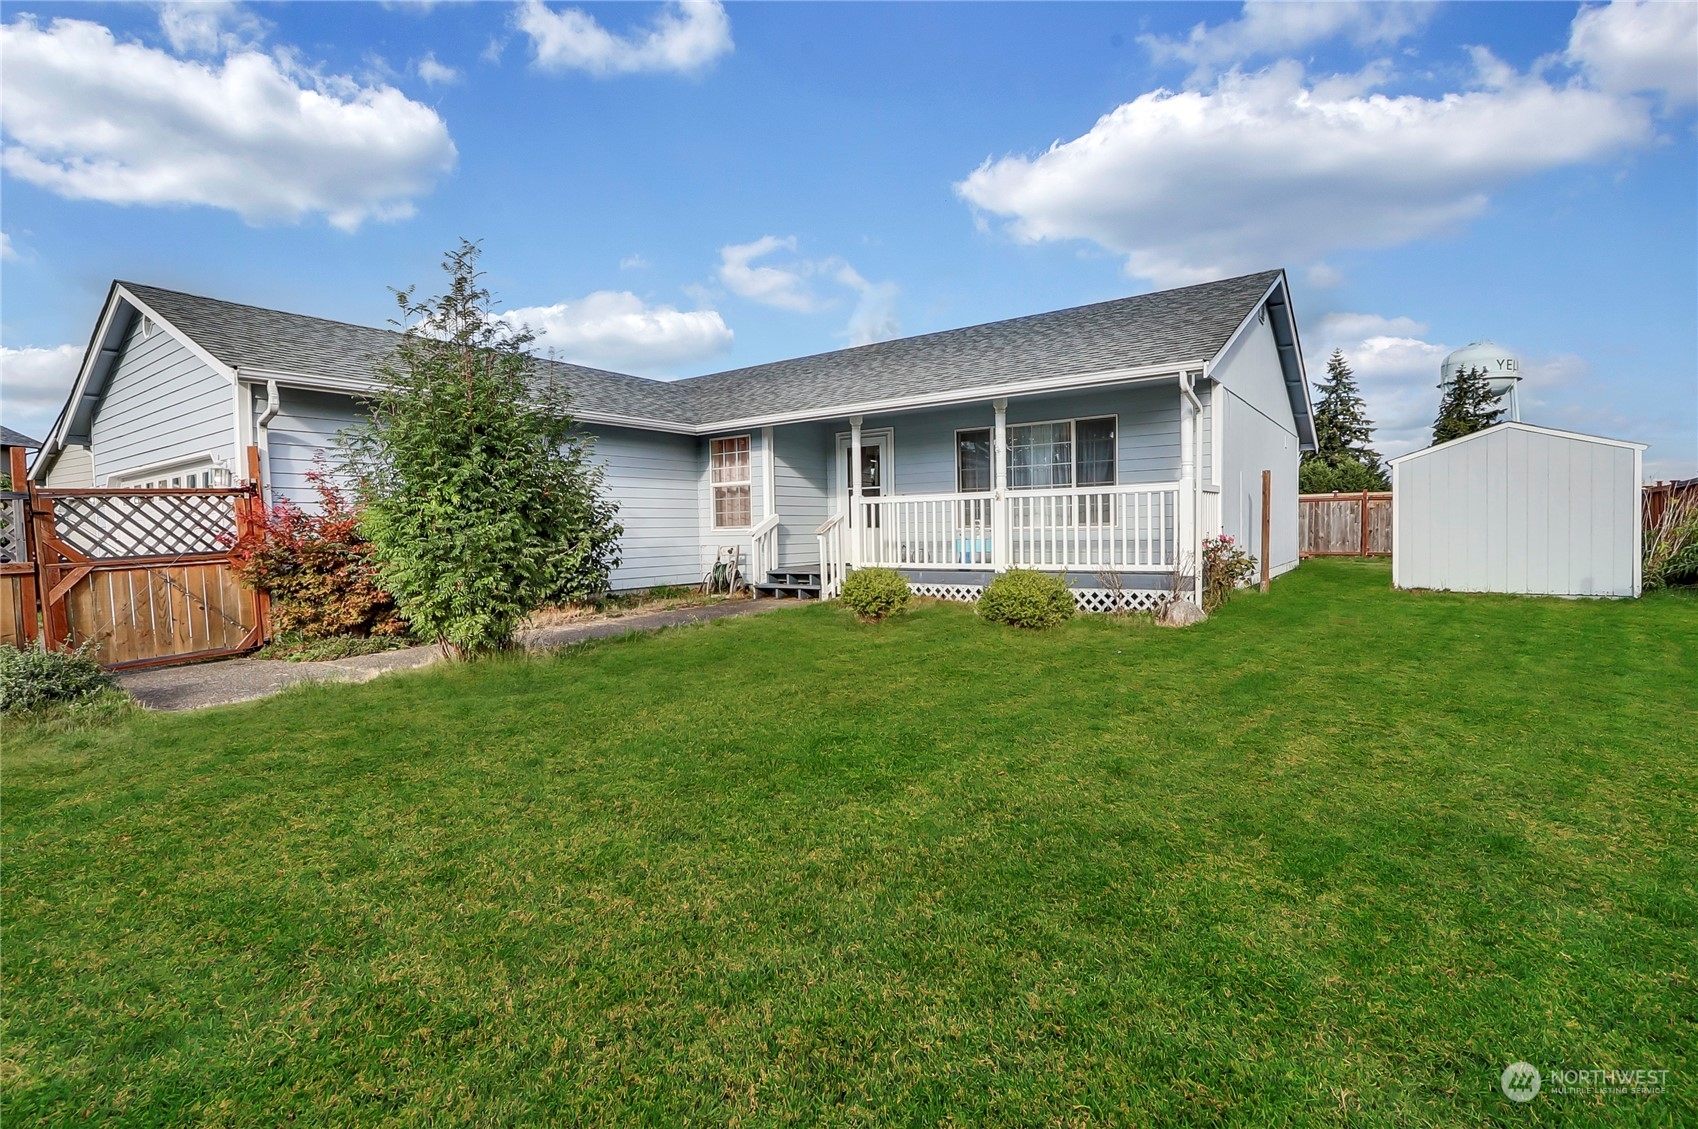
(1337, 856)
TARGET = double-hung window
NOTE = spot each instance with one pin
(1071, 452)
(728, 465)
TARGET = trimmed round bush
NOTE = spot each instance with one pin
(33, 678)
(873, 593)
(1026, 598)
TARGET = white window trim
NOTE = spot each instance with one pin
(748, 483)
(188, 464)
(1073, 422)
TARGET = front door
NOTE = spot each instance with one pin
(875, 467)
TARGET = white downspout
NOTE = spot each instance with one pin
(1190, 464)
(854, 472)
(1001, 541)
(262, 437)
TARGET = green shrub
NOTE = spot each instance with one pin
(1026, 598)
(1671, 546)
(873, 593)
(34, 678)
(1226, 568)
(480, 498)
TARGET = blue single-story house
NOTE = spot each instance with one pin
(1105, 439)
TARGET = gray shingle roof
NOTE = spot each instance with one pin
(254, 338)
(1189, 324)
(10, 438)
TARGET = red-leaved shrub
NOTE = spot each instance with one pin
(317, 568)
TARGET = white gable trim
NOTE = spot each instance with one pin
(101, 346)
(1509, 425)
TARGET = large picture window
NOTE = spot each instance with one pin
(1069, 452)
(728, 465)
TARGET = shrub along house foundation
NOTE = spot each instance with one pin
(1103, 441)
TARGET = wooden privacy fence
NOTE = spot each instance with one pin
(145, 577)
(17, 572)
(1658, 495)
(1356, 525)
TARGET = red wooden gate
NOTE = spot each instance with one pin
(145, 576)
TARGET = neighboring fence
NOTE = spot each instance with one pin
(1657, 496)
(142, 577)
(1356, 525)
(17, 572)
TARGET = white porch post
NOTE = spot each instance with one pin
(999, 487)
(769, 492)
(1187, 544)
(854, 472)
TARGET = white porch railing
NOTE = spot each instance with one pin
(834, 555)
(1123, 528)
(926, 530)
(763, 549)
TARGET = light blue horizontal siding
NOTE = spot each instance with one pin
(307, 423)
(162, 403)
(802, 454)
(653, 477)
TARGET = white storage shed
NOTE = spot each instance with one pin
(1518, 508)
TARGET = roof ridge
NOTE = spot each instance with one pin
(938, 333)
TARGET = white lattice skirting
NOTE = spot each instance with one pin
(965, 593)
(1086, 599)
(1106, 600)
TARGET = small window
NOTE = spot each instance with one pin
(1094, 441)
(728, 463)
(973, 460)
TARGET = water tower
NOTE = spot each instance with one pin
(1502, 369)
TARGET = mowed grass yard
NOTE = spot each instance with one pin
(1337, 856)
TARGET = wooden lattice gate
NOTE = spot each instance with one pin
(145, 576)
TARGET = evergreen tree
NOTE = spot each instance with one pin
(481, 504)
(1344, 458)
(1467, 406)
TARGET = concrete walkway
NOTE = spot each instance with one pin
(199, 685)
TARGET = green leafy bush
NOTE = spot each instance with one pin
(1026, 598)
(479, 497)
(873, 593)
(1225, 566)
(317, 568)
(34, 678)
(1671, 546)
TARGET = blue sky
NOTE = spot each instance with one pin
(674, 189)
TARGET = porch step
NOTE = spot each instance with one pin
(790, 585)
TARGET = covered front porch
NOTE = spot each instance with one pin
(1102, 486)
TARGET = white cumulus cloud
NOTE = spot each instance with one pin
(1272, 169)
(685, 37)
(1275, 27)
(875, 317)
(784, 287)
(87, 117)
(1396, 367)
(6, 251)
(790, 286)
(33, 386)
(209, 27)
(434, 72)
(1638, 47)
(615, 329)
